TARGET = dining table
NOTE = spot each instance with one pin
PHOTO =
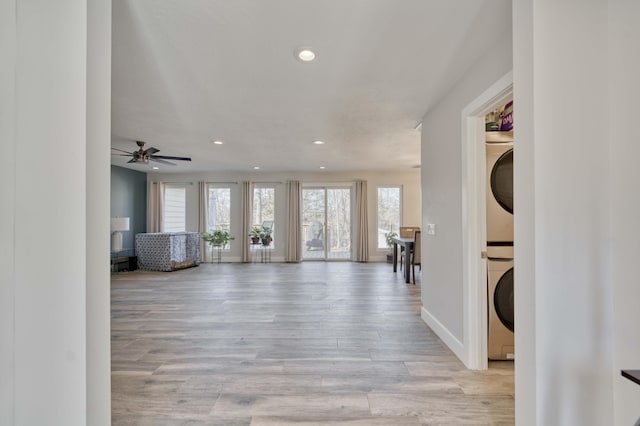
(407, 243)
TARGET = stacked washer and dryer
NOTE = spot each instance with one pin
(499, 148)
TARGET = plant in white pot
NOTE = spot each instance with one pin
(219, 239)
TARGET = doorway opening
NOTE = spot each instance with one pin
(474, 218)
(326, 223)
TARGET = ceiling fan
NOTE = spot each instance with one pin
(145, 155)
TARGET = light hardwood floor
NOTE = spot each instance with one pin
(284, 344)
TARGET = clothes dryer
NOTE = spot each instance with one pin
(499, 193)
(500, 298)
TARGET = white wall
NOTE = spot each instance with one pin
(564, 85)
(44, 354)
(98, 308)
(442, 293)
(8, 33)
(409, 180)
(623, 112)
(577, 245)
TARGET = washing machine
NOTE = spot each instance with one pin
(500, 298)
(499, 192)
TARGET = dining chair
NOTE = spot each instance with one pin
(416, 255)
(406, 232)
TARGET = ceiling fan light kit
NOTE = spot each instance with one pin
(146, 155)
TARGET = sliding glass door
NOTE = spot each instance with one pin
(326, 223)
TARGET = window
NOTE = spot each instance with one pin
(219, 208)
(388, 213)
(174, 209)
(264, 207)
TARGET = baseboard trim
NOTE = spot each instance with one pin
(456, 346)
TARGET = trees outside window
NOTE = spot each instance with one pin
(388, 212)
(264, 207)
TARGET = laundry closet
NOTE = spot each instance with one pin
(499, 214)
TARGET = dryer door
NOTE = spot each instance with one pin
(502, 181)
(503, 299)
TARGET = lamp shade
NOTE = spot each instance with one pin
(119, 224)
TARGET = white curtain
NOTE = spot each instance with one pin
(203, 218)
(362, 222)
(247, 210)
(294, 243)
(155, 203)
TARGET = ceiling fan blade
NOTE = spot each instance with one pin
(133, 160)
(121, 150)
(151, 150)
(168, 163)
(172, 158)
(122, 155)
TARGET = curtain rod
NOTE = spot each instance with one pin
(173, 183)
(223, 183)
(230, 183)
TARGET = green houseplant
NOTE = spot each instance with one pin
(219, 239)
(265, 235)
(389, 236)
(254, 233)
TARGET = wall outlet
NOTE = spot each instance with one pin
(431, 229)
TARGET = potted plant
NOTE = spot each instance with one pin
(254, 233)
(389, 236)
(265, 235)
(219, 239)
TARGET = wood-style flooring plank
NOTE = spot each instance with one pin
(288, 344)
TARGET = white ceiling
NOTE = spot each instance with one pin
(188, 72)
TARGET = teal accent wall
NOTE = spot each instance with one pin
(129, 199)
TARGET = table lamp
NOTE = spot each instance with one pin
(118, 224)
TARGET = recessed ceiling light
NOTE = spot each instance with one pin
(217, 142)
(155, 168)
(305, 54)
(322, 167)
(318, 142)
(256, 167)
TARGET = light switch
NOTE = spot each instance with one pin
(431, 229)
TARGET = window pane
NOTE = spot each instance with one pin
(264, 207)
(388, 213)
(174, 214)
(219, 214)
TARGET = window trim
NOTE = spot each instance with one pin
(217, 185)
(400, 212)
(167, 186)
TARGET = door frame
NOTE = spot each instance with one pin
(326, 187)
(474, 225)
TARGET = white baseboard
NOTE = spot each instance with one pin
(456, 346)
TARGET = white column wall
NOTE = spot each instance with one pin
(47, 246)
(524, 224)
(7, 208)
(442, 293)
(623, 112)
(50, 226)
(98, 213)
(561, 66)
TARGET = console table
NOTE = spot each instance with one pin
(125, 258)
